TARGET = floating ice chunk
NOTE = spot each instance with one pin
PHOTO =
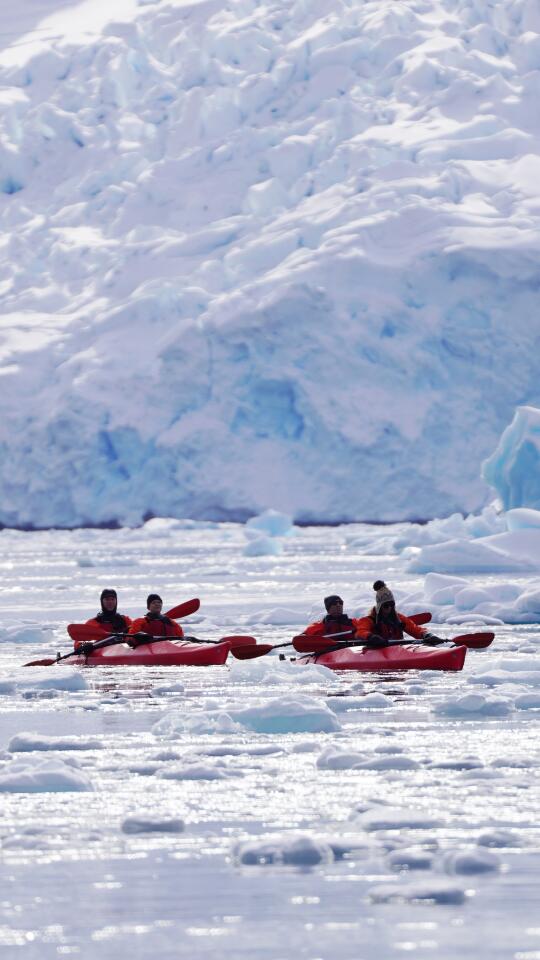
(522, 518)
(394, 818)
(437, 585)
(470, 862)
(505, 552)
(410, 858)
(527, 701)
(373, 701)
(199, 771)
(470, 597)
(274, 672)
(349, 845)
(42, 775)
(391, 762)
(35, 679)
(25, 632)
(346, 704)
(263, 547)
(288, 714)
(165, 688)
(528, 602)
(489, 521)
(29, 742)
(473, 705)
(335, 759)
(174, 725)
(143, 824)
(498, 838)
(459, 763)
(272, 523)
(300, 851)
(279, 616)
(441, 892)
(514, 467)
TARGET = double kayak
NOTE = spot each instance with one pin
(160, 653)
(398, 657)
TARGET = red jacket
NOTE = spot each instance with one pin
(156, 628)
(321, 628)
(369, 624)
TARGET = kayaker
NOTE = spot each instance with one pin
(384, 623)
(154, 623)
(335, 621)
(108, 620)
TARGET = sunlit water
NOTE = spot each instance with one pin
(423, 839)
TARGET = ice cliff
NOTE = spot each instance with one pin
(265, 255)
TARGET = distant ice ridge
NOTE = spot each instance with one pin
(266, 256)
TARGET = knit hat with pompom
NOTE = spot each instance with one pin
(382, 595)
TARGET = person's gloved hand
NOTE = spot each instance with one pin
(374, 641)
(136, 639)
(85, 648)
(432, 640)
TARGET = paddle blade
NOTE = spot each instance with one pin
(311, 644)
(420, 618)
(239, 640)
(39, 663)
(475, 641)
(183, 609)
(251, 652)
(81, 632)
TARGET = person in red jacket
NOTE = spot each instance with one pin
(384, 623)
(334, 623)
(108, 619)
(154, 623)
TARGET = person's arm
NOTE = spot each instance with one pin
(176, 629)
(364, 627)
(136, 625)
(314, 629)
(412, 628)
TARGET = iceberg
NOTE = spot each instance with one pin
(514, 467)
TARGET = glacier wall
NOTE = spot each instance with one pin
(266, 255)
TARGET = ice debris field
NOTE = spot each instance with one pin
(303, 230)
(193, 808)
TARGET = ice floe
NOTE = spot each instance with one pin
(42, 775)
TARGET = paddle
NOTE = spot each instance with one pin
(317, 645)
(86, 632)
(106, 642)
(263, 648)
(236, 640)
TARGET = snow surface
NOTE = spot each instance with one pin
(264, 255)
(263, 809)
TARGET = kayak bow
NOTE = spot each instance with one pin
(398, 657)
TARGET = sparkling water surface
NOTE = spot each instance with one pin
(399, 825)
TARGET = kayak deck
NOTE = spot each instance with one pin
(399, 657)
(161, 653)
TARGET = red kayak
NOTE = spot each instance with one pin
(160, 653)
(398, 657)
